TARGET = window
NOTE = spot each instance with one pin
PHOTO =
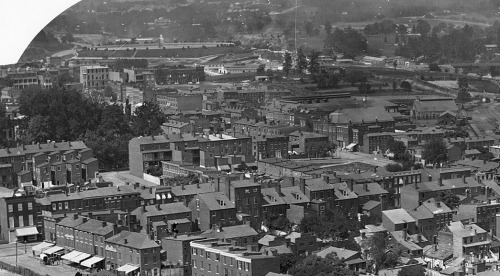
(60, 206)
(208, 255)
(11, 222)
(194, 263)
(10, 208)
(209, 267)
(216, 269)
(197, 203)
(30, 206)
(19, 206)
(195, 251)
(30, 219)
(21, 221)
(58, 168)
(217, 257)
(66, 205)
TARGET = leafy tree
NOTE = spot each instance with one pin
(376, 250)
(314, 62)
(287, 64)
(354, 77)
(261, 69)
(414, 270)
(280, 223)
(328, 27)
(108, 92)
(394, 85)
(423, 27)
(485, 154)
(406, 85)
(434, 67)
(287, 261)
(348, 41)
(449, 199)
(364, 88)
(301, 63)
(434, 152)
(393, 167)
(334, 224)
(463, 96)
(463, 82)
(314, 265)
(309, 28)
(148, 119)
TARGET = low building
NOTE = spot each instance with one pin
(398, 220)
(432, 108)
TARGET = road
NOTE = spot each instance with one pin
(65, 53)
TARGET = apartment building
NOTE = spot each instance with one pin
(19, 212)
(161, 220)
(211, 257)
(94, 77)
(178, 250)
(272, 146)
(211, 209)
(146, 152)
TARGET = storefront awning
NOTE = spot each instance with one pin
(224, 168)
(350, 146)
(40, 247)
(127, 268)
(71, 255)
(92, 261)
(28, 231)
(53, 249)
(80, 258)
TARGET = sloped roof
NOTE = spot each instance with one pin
(50, 147)
(216, 201)
(133, 240)
(360, 115)
(96, 227)
(340, 252)
(230, 232)
(398, 216)
(435, 105)
(165, 209)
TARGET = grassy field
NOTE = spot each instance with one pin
(482, 85)
(42, 50)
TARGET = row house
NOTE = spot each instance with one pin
(19, 212)
(133, 252)
(251, 127)
(178, 249)
(34, 164)
(222, 150)
(179, 102)
(211, 257)
(431, 216)
(273, 146)
(121, 197)
(162, 219)
(212, 208)
(414, 195)
(146, 152)
(309, 143)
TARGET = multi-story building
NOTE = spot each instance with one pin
(211, 257)
(175, 217)
(399, 220)
(94, 77)
(180, 103)
(180, 75)
(467, 240)
(129, 251)
(19, 218)
(47, 164)
(309, 143)
(238, 235)
(432, 108)
(222, 150)
(272, 146)
(211, 209)
(473, 143)
(146, 152)
(21, 79)
(178, 250)
(176, 127)
(349, 126)
(431, 216)
(120, 197)
(273, 205)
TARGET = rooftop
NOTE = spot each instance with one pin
(398, 216)
(133, 240)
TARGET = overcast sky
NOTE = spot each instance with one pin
(21, 20)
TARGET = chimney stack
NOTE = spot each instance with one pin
(303, 185)
(104, 224)
(326, 178)
(365, 186)
(463, 179)
(278, 189)
(440, 182)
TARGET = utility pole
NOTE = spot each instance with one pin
(16, 253)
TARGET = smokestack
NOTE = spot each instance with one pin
(440, 182)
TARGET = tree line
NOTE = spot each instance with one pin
(64, 114)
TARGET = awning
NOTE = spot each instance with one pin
(28, 231)
(350, 146)
(80, 258)
(127, 268)
(158, 196)
(224, 168)
(53, 249)
(91, 261)
(40, 247)
(71, 255)
(42, 256)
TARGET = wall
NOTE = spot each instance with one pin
(150, 178)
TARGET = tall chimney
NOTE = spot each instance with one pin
(303, 185)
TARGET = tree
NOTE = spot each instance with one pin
(394, 85)
(261, 69)
(148, 119)
(434, 67)
(287, 64)
(309, 27)
(406, 85)
(108, 92)
(287, 261)
(376, 251)
(364, 88)
(423, 27)
(463, 82)
(317, 266)
(334, 224)
(348, 41)
(434, 152)
(393, 167)
(463, 96)
(328, 27)
(414, 270)
(301, 63)
(354, 77)
(449, 199)
(314, 62)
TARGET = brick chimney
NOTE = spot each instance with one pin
(278, 189)
(302, 185)
(440, 182)
(365, 186)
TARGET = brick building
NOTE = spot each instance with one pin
(178, 250)
(175, 216)
(210, 257)
(310, 144)
(432, 108)
(272, 146)
(94, 77)
(149, 151)
(129, 251)
(19, 212)
(211, 209)
(180, 103)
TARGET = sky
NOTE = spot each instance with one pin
(20, 22)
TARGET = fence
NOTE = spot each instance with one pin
(19, 270)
